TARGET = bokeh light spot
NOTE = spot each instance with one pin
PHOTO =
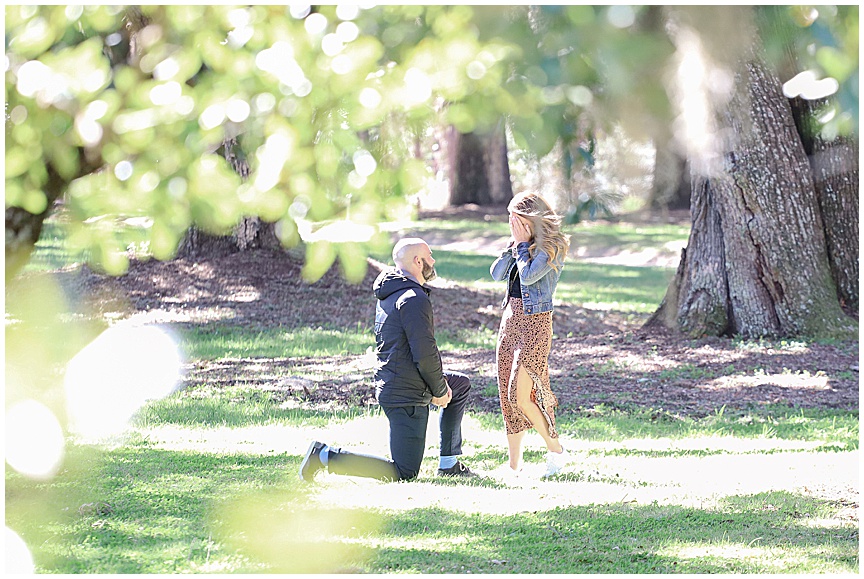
(315, 23)
(364, 163)
(19, 560)
(116, 374)
(123, 170)
(34, 440)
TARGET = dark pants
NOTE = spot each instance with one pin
(408, 438)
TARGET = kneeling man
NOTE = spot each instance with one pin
(408, 378)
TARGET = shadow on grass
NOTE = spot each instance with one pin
(764, 533)
(175, 512)
(135, 509)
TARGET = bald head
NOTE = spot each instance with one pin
(413, 257)
(407, 249)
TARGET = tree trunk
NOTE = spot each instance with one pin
(756, 263)
(834, 165)
(470, 183)
(249, 233)
(482, 172)
(24, 228)
(671, 189)
(498, 167)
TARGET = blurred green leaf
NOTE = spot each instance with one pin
(352, 257)
(319, 257)
(301, 102)
(835, 63)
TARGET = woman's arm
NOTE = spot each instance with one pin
(531, 270)
(501, 266)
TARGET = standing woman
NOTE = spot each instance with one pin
(531, 264)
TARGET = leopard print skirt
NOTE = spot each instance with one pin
(524, 341)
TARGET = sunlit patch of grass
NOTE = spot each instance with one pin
(594, 286)
(182, 511)
(216, 342)
(591, 234)
(468, 339)
(837, 428)
(237, 407)
(53, 250)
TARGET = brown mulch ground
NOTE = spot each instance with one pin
(599, 358)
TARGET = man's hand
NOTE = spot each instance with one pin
(443, 401)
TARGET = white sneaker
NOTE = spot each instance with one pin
(555, 461)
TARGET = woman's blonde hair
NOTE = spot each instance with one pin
(545, 226)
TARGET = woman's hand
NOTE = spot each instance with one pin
(519, 229)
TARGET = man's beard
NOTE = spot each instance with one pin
(429, 272)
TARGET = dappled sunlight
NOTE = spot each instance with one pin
(707, 478)
(790, 381)
(247, 294)
(725, 444)
(697, 482)
(668, 256)
(772, 558)
(366, 434)
(186, 315)
(734, 466)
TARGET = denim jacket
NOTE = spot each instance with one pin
(539, 279)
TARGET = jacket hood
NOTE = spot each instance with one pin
(390, 281)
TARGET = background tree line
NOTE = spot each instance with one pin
(220, 128)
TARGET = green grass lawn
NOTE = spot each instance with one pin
(620, 287)
(139, 507)
(206, 480)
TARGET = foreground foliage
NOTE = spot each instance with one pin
(118, 110)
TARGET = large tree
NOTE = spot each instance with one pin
(123, 112)
(833, 156)
(757, 261)
(135, 139)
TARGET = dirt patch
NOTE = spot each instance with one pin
(264, 288)
(672, 379)
(598, 357)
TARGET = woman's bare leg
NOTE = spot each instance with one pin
(514, 444)
(532, 412)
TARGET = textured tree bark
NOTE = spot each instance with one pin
(697, 301)
(757, 229)
(834, 165)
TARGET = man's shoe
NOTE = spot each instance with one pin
(457, 469)
(312, 461)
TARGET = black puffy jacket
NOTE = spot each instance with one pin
(409, 371)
